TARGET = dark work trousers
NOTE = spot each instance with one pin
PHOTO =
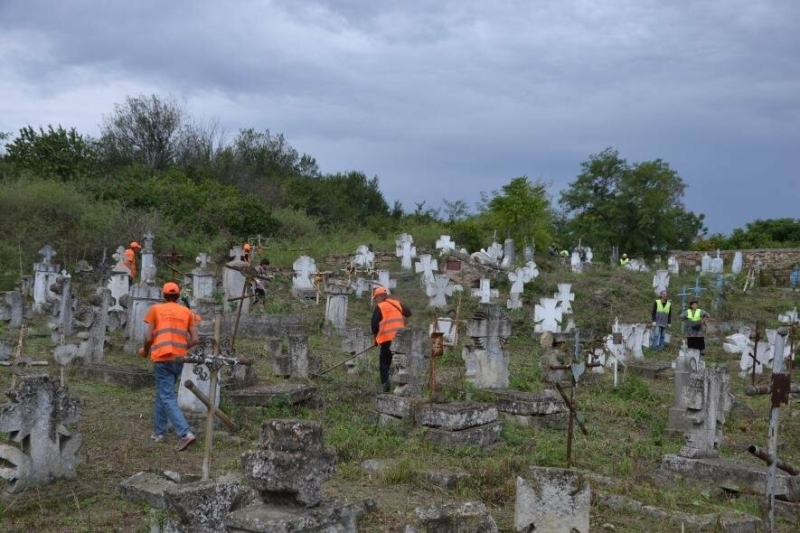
(385, 361)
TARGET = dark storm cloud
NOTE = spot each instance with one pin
(444, 98)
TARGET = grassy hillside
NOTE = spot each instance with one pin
(626, 425)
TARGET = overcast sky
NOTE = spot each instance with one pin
(444, 99)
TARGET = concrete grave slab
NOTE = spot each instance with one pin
(267, 394)
(554, 500)
(456, 416)
(478, 436)
(262, 517)
(468, 517)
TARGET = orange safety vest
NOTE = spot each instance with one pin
(171, 323)
(392, 320)
(130, 261)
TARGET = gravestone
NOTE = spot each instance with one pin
(304, 269)
(565, 298)
(12, 309)
(302, 363)
(360, 286)
(794, 277)
(281, 362)
(45, 274)
(411, 347)
(589, 255)
(148, 255)
(291, 458)
(91, 320)
(60, 324)
(485, 359)
(426, 266)
(485, 292)
(234, 282)
(448, 328)
(660, 281)
(673, 266)
(509, 254)
(736, 265)
(193, 409)
(518, 279)
(142, 298)
(709, 400)
(555, 500)
(439, 289)
(119, 282)
(405, 250)
(684, 367)
(495, 253)
(445, 245)
(337, 292)
(459, 423)
(357, 342)
(717, 264)
(575, 262)
(705, 264)
(41, 447)
(364, 259)
(385, 281)
(202, 280)
(547, 316)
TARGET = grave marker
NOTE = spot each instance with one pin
(445, 245)
(405, 250)
(485, 292)
(426, 265)
(547, 316)
(439, 289)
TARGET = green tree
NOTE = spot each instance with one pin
(636, 207)
(145, 129)
(52, 153)
(522, 211)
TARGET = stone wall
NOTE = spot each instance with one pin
(776, 264)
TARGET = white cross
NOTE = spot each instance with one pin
(439, 288)
(360, 286)
(485, 292)
(426, 265)
(405, 250)
(445, 245)
(385, 281)
(47, 253)
(495, 251)
(660, 281)
(236, 253)
(547, 315)
(304, 268)
(575, 262)
(202, 260)
(120, 255)
(564, 298)
(589, 254)
(365, 258)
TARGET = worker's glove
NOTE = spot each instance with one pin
(142, 352)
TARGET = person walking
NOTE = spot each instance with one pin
(388, 318)
(662, 319)
(696, 319)
(171, 331)
(129, 259)
(260, 283)
(624, 260)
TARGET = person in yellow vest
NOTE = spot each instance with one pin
(171, 331)
(389, 317)
(696, 319)
(662, 319)
(624, 260)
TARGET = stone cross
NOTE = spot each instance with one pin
(305, 267)
(575, 262)
(236, 253)
(485, 292)
(426, 265)
(660, 281)
(365, 258)
(565, 298)
(709, 399)
(439, 289)
(119, 257)
(148, 243)
(35, 418)
(589, 254)
(202, 260)
(518, 279)
(385, 281)
(547, 315)
(717, 264)
(405, 250)
(47, 254)
(705, 263)
(360, 286)
(509, 254)
(445, 245)
(697, 288)
(485, 359)
(495, 251)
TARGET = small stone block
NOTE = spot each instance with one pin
(478, 436)
(147, 487)
(392, 405)
(528, 404)
(266, 518)
(456, 416)
(291, 436)
(472, 517)
(273, 394)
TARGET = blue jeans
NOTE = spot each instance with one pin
(166, 404)
(657, 342)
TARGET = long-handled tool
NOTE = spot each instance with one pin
(337, 365)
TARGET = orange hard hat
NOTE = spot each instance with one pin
(378, 291)
(135, 244)
(171, 287)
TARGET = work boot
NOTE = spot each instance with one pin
(385, 387)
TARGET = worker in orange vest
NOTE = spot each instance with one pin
(171, 331)
(246, 249)
(388, 318)
(130, 259)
